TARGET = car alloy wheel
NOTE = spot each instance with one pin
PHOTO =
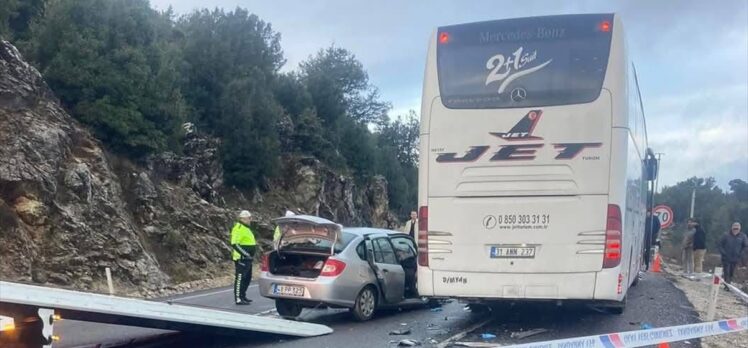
(366, 304)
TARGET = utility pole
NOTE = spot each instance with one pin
(693, 200)
(657, 180)
(648, 242)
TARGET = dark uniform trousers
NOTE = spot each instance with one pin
(242, 277)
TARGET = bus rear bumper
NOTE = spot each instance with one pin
(517, 286)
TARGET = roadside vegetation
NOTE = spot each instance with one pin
(134, 75)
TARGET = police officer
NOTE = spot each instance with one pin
(277, 232)
(243, 247)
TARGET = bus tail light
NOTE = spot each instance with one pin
(443, 37)
(613, 240)
(332, 268)
(605, 26)
(423, 236)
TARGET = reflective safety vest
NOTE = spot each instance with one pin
(277, 234)
(243, 236)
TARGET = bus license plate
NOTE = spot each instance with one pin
(288, 290)
(512, 252)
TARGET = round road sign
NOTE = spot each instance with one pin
(665, 214)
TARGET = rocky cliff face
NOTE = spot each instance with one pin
(68, 209)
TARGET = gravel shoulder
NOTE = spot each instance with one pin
(728, 306)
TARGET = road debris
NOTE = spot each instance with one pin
(408, 343)
(400, 332)
(476, 344)
(525, 334)
(403, 324)
(646, 326)
(436, 309)
(487, 336)
(463, 333)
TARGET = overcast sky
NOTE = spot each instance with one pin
(691, 57)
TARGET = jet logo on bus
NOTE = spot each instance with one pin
(522, 131)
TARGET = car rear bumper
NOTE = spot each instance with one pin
(325, 290)
(521, 286)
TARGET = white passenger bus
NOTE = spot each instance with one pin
(532, 182)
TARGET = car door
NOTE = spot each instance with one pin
(390, 273)
(405, 249)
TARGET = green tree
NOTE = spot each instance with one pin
(739, 190)
(231, 60)
(715, 208)
(292, 95)
(398, 145)
(308, 139)
(16, 17)
(402, 134)
(8, 10)
(358, 147)
(108, 62)
(340, 87)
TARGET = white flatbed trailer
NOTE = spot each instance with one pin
(24, 302)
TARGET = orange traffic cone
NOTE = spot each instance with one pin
(657, 263)
(663, 345)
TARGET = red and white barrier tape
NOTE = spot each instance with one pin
(641, 338)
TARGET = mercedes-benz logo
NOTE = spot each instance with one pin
(489, 222)
(518, 94)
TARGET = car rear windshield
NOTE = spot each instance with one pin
(314, 244)
(526, 62)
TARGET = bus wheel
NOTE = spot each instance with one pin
(636, 280)
(618, 308)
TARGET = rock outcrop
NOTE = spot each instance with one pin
(63, 218)
(69, 209)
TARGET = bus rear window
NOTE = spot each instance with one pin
(526, 62)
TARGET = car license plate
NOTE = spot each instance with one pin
(288, 290)
(512, 252)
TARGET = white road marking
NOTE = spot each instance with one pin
(463, 333)
(209, 293)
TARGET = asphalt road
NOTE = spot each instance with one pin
(655, 302)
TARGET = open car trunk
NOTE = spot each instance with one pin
(305, 244)
(296, 265)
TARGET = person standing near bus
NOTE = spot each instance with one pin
(651, 229)
(243, 247)
(731, 247)
(412, 225)
(699, 246)
(687, 247)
